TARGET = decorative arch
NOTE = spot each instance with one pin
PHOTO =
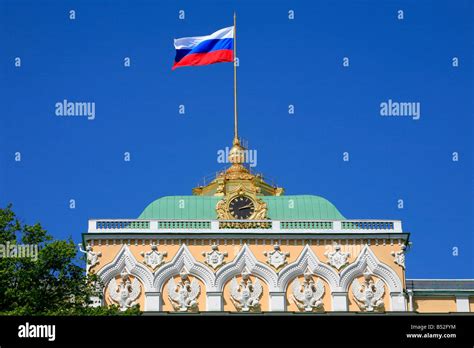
(125, 260)
(367, 259)
(184, 258)
(308, 259)
(245, 259)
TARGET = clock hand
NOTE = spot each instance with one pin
(244, 207)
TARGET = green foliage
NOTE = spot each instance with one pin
(51, 284)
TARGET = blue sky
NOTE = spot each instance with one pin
(282, 62)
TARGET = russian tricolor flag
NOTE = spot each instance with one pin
(204, 50)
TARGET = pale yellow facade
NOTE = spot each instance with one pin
(435, 305)
(381, 248)
(110, 247)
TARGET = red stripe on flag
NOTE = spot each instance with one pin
(205, 58)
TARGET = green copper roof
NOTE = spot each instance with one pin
(304, 207)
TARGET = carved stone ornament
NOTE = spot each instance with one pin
(220, 190)
(214, 258)
(399, 256)
(276, 257)
(337, 258)
(307, 295)
(183, 296)
(126, 292)
(92, 256)
(245, 294)
(368, 294)
(154, 258)
(245, 224)
(221, 211)
(257, 208)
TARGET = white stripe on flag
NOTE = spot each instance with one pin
(191, 42)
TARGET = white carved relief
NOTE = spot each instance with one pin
(126, 261)
(183, 296)
(246, 260)
(399, 256)
(245, 294)
(126, 292)
(308, 260)
(368, 294)
(154, 258)
(307, 295)
(276, 257)
(184, 259)
(214, 257)
(92, 256)
(337, 258)
(215, 280)
(368, 260)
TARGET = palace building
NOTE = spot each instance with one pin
(239, 244)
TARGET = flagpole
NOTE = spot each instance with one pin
(236, 134)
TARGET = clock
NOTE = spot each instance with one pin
(241, 207)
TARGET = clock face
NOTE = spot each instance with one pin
(241, 207)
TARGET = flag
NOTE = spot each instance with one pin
(204, 50)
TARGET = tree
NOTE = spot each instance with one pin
(49, 282)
